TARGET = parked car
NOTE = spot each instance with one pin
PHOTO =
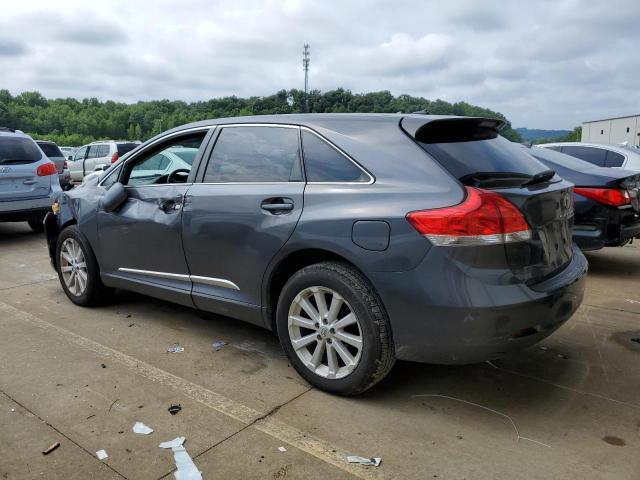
(69, 152)
(98, 156)
(606, 200)
(54, 154)
(28, 180)
(359, 239)
(600, 155)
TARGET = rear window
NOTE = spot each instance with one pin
(18, 150)
(125, 148)
(50, 150)
(495, 161)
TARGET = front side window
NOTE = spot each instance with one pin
(323, 163)
(161, 165)
(111, 178)
(93, 151)
(593, 155)
(254, 154)
(80, 154)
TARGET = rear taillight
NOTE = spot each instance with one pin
(115, 157)
(483, 218)
(46, 169)
(607, 196)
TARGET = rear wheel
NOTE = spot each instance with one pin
(334, 329)
(78, 269)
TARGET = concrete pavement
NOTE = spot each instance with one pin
(568, 408)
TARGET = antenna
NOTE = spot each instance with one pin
(305, 67)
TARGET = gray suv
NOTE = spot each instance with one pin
(28, 180)
(358, 239)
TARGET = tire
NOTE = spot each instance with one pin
(36, 224)
(329, 280)
(92, 291)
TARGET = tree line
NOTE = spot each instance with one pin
(68, 121)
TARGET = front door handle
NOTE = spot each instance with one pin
(171, 204)
(277, 205)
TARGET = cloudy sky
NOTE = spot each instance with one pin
(543, 63)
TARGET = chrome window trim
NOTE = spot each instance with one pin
(344, 154)
(216, 282)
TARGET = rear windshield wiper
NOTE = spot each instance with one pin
(540, 177)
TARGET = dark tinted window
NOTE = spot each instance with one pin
(18, 150)
(614, 159)
(560, 159)
(125, 148)
(323, 163)
(596, 156)
(254, 154)
(492, 160)
(50, 149)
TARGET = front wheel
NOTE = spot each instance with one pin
(78, 269)
(334, 329)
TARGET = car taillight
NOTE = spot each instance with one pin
(607, 196)
(65, 165)
(45, 169)
(115, 157)
(483, 218)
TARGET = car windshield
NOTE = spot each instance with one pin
(18, 150)
(51, 150)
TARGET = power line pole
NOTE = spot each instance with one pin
(305, 67)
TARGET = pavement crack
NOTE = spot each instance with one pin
(28, 284)
(91, 454)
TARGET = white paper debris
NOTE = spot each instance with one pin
(282, 449)
(176, 348)
(101, 454)
(142, 429)
(186, 469)
(218, 344)
(364, 461)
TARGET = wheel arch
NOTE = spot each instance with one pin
(286, 267)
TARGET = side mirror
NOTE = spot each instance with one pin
(99, 167)
(70, 158)
(114, 198)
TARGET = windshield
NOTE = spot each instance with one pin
(18, 150)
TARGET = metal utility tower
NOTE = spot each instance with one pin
(305, 67)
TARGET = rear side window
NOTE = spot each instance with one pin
(50, 150)
(103, 151)
(323, 163)
(614, 159)
(593, 155)
(254, 154)
(125, 148)
(15, 150)
(93, 151)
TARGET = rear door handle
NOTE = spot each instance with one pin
(275, 205)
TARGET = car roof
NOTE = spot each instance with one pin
(614, 148)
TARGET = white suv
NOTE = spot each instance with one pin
(98, 156)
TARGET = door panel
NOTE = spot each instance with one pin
(232, 231)
(141, 241)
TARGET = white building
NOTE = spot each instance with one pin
(612, 130)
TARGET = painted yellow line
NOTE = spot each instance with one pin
(275, 428)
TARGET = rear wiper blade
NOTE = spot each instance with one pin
(540, 177)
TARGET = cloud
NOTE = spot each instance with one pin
(549, 63)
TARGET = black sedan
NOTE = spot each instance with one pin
(607, 200)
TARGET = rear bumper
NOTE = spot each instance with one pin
(600, 233)
(440, 313)
(21, 210)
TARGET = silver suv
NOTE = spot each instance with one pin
(98, 156)
(28, 180)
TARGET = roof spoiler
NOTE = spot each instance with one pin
(451, 129)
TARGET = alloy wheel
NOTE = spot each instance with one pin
(73, 266)
(325, 332)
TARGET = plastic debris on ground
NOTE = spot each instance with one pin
(175, 348)
(218, 344)
(174, 408)
(142, 429)
(101, 454)
(374, 462)
(185, 468)
(282, 449)
(51, 448)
